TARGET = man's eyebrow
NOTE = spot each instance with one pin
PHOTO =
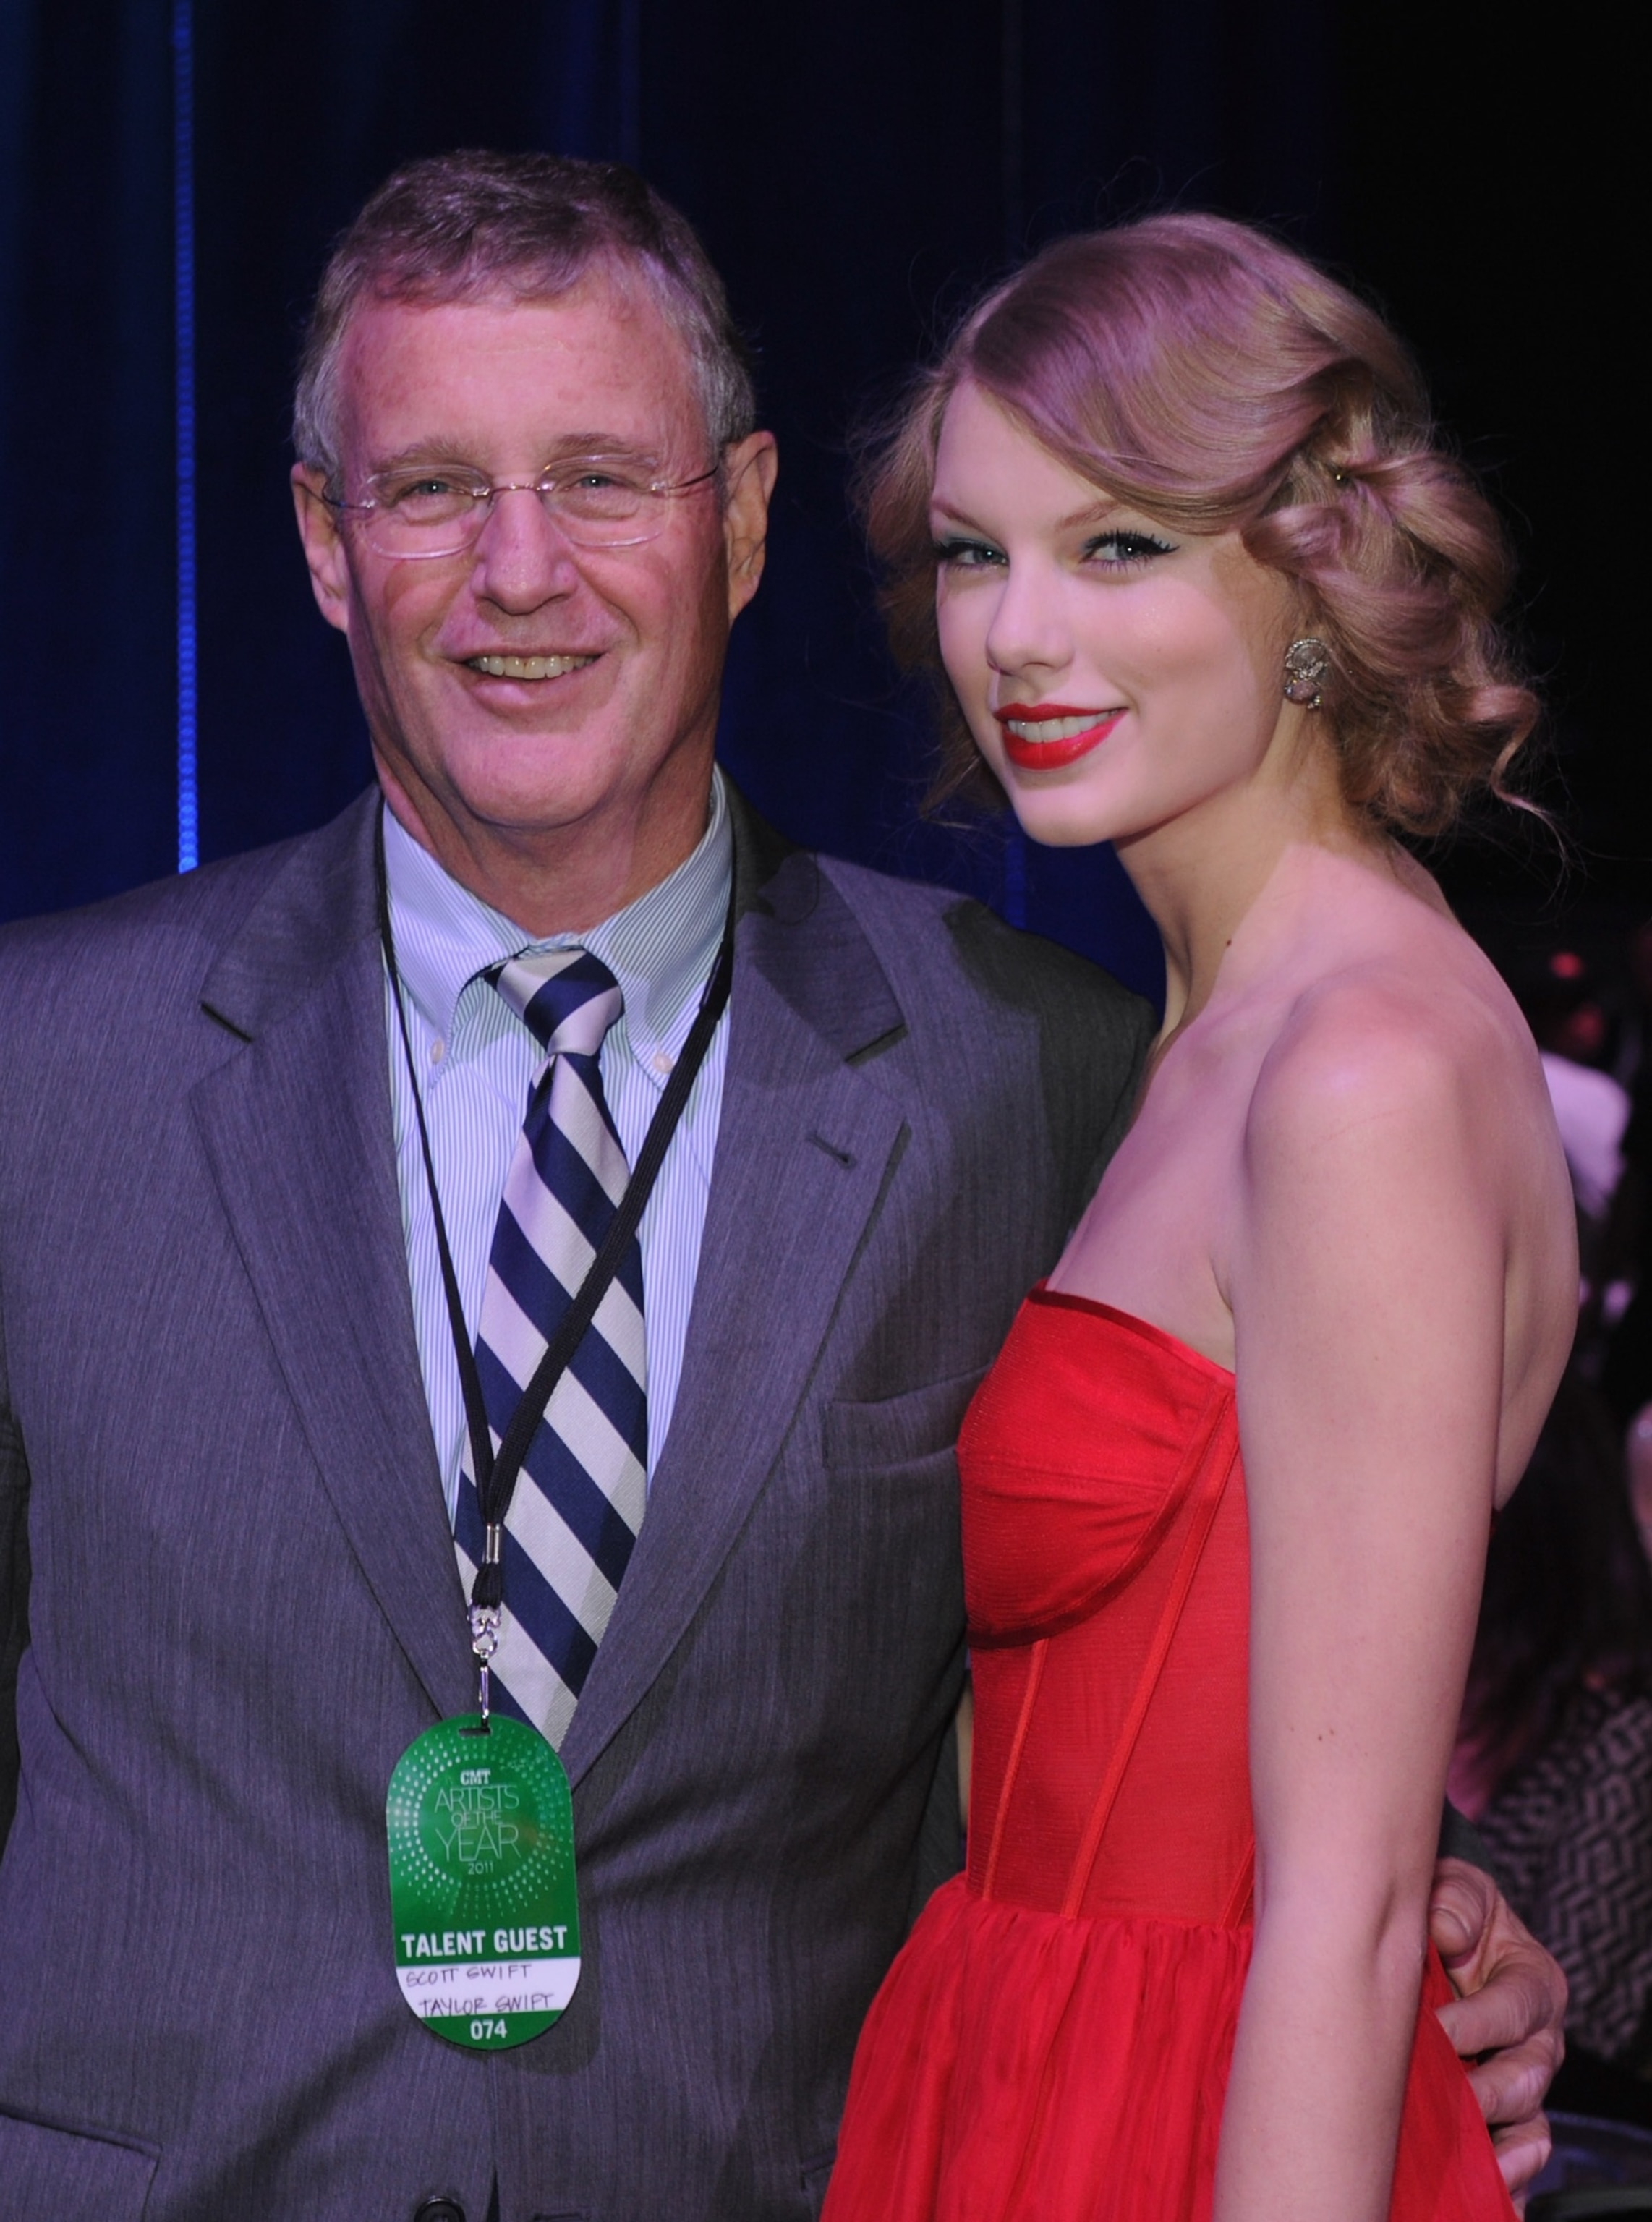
(598, 443)
(443, 450)
(424, 451)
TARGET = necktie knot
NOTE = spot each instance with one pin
(567, 998)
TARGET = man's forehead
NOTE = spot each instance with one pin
(598, 361)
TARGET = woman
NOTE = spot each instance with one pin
(1169, 511)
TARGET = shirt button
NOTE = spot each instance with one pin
(439, 1051)
(662, 1062)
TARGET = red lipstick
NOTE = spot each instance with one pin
(1051, 756)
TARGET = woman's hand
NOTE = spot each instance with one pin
(1511, 2009)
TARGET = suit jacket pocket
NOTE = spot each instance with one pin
(50, 2175)
(899, 1430)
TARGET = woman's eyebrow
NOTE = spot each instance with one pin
(1093, 513)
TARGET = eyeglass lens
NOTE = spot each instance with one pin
(597, 503)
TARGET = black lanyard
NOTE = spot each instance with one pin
(496, 1476)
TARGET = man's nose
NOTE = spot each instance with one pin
(523, 556)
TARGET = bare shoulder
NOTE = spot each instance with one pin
(1412, 1034)
(1399, 1132)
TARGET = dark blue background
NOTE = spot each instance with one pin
(857, 167)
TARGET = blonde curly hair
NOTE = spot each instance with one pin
(1200, 371)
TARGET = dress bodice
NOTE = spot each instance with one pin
(1108, 1574)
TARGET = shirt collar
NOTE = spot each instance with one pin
(660, 948)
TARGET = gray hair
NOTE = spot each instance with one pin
(459, 226)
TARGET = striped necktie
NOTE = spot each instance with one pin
(578, 1502)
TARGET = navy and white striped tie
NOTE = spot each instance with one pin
(579, 1500)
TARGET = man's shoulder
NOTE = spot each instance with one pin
(202, 908)
(160, 942)
(1000, 1026)
(916, 927)
(197, 905)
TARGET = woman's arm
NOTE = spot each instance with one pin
(1367, 1277)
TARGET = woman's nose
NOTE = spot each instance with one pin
(1029, 629)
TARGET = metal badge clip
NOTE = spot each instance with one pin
(484, 1628)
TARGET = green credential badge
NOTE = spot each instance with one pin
(481, 1882)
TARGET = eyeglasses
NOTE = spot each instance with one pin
(597, 501)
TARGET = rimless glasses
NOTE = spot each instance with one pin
(597, 501)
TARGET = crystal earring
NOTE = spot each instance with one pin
(1307, 667)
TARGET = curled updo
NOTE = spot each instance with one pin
(1197, 369)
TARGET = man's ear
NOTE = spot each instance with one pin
(324, 546)
(748, 470)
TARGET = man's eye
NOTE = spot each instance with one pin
(1121, 550)
(430, 486)
(958, 554)
(599, 492)
(601, 475)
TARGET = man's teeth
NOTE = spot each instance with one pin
(1057, 729)
(527, 667)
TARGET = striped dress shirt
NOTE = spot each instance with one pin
(476, 1062)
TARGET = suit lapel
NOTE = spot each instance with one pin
(297, 1126)
(806, 1146)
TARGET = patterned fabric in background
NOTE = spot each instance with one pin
(1570, 1832)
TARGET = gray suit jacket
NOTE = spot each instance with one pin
(243, 1605)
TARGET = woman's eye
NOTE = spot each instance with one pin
(1118, 551)
(959, 554)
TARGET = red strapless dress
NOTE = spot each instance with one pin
(1053, 2041)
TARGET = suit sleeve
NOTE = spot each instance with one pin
(14, 1591)
(1460, 1840)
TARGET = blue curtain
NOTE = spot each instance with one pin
(858, 168)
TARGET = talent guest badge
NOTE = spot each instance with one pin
(481, 1882)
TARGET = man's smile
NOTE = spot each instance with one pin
(526, 667)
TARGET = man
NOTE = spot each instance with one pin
(235, 1403)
